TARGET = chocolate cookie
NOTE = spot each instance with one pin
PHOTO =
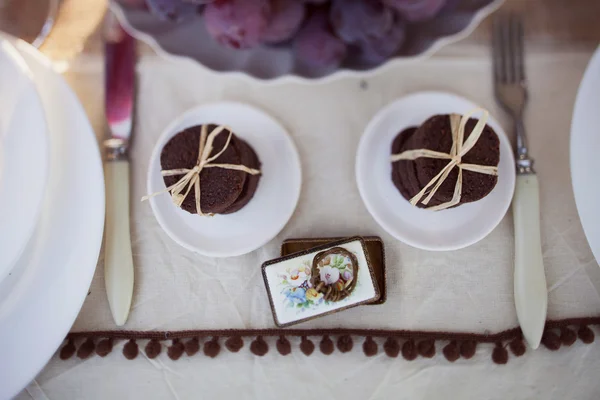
(220, 187)
(250, 160)
(436, 134)
(403, 171)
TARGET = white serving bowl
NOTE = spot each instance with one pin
(189, 39)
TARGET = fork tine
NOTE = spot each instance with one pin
(517, 39)
(497, 51)
(507, 50)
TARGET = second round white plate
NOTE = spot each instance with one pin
(40, 300)
(585, 163)
(429, 230)
(23, 156)
(272, 205)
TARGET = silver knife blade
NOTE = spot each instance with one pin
(120, 54)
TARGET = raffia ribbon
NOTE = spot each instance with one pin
(458, 150)
(191, 177)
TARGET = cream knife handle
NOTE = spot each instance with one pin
(531, 294)
(118, 263)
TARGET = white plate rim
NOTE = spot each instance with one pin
(581, 167)
(82, 264)
(169, 132)
(504, 144)
(32, 192)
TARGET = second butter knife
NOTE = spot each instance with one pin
(120, 92)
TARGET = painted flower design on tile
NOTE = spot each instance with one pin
(313, 295)
(336, 270)
(297, 289)
(295, 295)
(347, 275)
(298, 276)
(329, 275)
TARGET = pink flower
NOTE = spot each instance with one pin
(347, 275)
(329, 275)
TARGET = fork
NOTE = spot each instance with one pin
(510, 87)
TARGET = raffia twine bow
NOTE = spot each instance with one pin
(191, 177)
(458, 150)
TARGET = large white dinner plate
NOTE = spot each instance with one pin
(40, 300)
(272, 205)
(585, 153)
(450, 229)
(23, 155)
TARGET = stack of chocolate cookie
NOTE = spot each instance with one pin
(411, 176)
(223, 191)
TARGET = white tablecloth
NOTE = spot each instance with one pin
(466, 290)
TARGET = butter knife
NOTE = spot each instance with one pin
(120, 91)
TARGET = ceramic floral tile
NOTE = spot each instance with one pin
(343, 279)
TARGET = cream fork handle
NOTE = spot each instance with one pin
(531, 294)
(118, 264)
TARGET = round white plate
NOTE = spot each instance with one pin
(23, 156)
(272, 205)
(585, 145)
(40, 300)
(429, 230)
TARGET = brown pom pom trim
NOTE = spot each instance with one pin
(283, 346)
(369, 347)
(345, 343)
(517, 346)
(307, 346)
(567, 336)
(192, 346)
(326, 345)
(68, 350)
(500, 355)
(586, 334)
(234, 344)
(259, 347)
(212, 347)
(409, 350)
(175, 351)
(104, 347)
(153, 348)
(551, 340)
(468, 349)
(426, 348)
(451, 351)
(86, 349)
(391, 347)
(410, 343)
(130, 350)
